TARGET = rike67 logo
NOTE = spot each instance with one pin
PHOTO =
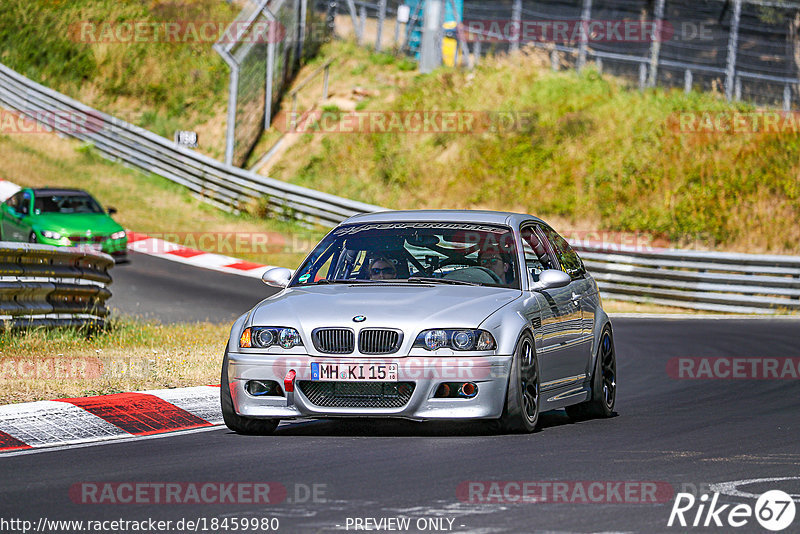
(774, 510)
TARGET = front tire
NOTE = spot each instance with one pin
(234, 421)
(521, 410)
(604, 383)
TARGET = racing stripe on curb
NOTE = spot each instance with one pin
(107, 417)
(139, 413)
(202, 401)
(152, 246)
(43, 423)
(8, 443)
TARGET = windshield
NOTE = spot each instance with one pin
(70, 203)
(452, 253)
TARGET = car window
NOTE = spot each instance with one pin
(539, 255)
(66, 203)
(13, 202)
(25, 203)
(568, 258)
(456, 252)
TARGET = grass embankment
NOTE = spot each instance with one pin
(41, 364)
(590, 154)
(83, 48)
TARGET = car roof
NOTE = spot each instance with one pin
(465, 216)
(58, 191)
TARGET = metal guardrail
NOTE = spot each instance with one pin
(226, 186)
(713, 281)
(42, 285)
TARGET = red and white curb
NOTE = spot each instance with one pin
(153, 246)
(40, 424)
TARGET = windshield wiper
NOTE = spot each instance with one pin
(425, 279)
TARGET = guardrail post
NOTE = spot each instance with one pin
(737, 89)
(270, 76)
(585, 16)
(301, 39)
(733, 43)
(325, 82)
(642, 76)
(354, 18)
(516, 17)
(381, 19)
(655, 46)
(362, 22)
(787, 98)
(430, 54)
(233, 93)
(687, 81)
(554, 59)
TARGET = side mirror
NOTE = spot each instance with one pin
(111, 211)
(551, 279)
(277, 277)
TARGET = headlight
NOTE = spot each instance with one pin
(456, 339)
(118, 235)
(51, 235)
(267, 336)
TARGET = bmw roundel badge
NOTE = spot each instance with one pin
(359, 318)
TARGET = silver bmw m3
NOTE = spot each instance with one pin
(425, 315)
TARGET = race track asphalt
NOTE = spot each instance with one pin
(678, 433)
(169, 291)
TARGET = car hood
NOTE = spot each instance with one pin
(410, 308)
(77, 223)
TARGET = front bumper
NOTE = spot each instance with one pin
(118, 248)
(490, 373)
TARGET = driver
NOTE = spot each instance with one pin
(495, 261)
(382, 269)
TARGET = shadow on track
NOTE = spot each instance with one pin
(369, 427)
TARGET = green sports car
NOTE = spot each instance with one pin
(61, 217)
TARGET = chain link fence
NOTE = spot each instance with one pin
(263, 47)
(745, 49)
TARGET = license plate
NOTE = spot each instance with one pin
(354, 372)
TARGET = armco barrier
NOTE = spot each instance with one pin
(714, 281)
(223, 185)
(41, 285)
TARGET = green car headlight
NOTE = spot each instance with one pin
(118, 235)
(51, 235)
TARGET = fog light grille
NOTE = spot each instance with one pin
(357, 394)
